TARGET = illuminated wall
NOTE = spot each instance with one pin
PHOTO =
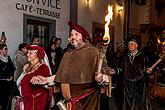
(11, 18)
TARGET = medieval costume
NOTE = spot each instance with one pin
(158, 90)
(80, 75)
(76, 75)
(135, 96)
(6, 78)
(158, 86)
(161, 67)
(35, 97)
(6, 71)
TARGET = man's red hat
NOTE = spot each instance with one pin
(40, 52)
(80, 29)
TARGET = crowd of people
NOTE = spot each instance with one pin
(80, 77)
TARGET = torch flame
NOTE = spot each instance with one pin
(161, 42)
(108, 18)
(158, 40)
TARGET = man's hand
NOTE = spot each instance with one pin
(99, 77)
(149, 70)
(112, 71)
(68, 105)
(9, 79)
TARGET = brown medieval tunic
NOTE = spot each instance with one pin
(77, 69)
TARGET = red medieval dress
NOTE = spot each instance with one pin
(35, 97)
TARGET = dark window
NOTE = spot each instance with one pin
(40, 27)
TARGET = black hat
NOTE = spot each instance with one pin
(134, 39)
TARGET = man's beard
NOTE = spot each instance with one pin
(77, 45)
(73, 46)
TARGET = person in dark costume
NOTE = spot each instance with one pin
(158, 101)
(6, 77)
(113, 60)
(151, 51)
(135, 73)
(55, 53)
(161, 67)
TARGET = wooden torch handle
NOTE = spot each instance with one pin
(153, 66)
(100, 63)
(158, 61)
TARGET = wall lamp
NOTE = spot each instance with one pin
(120, 9)
(87, 2)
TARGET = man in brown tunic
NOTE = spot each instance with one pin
(77, 74)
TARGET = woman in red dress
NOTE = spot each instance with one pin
(35, 97)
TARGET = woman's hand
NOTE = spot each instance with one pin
(39, 80)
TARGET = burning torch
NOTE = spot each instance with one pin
(161, 57)
(106, 37)
(106, 41)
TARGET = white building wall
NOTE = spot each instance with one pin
(11, 18)
(95, 11)
(118, 24)
(92, 11)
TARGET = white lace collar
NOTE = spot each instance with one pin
(3, 58)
